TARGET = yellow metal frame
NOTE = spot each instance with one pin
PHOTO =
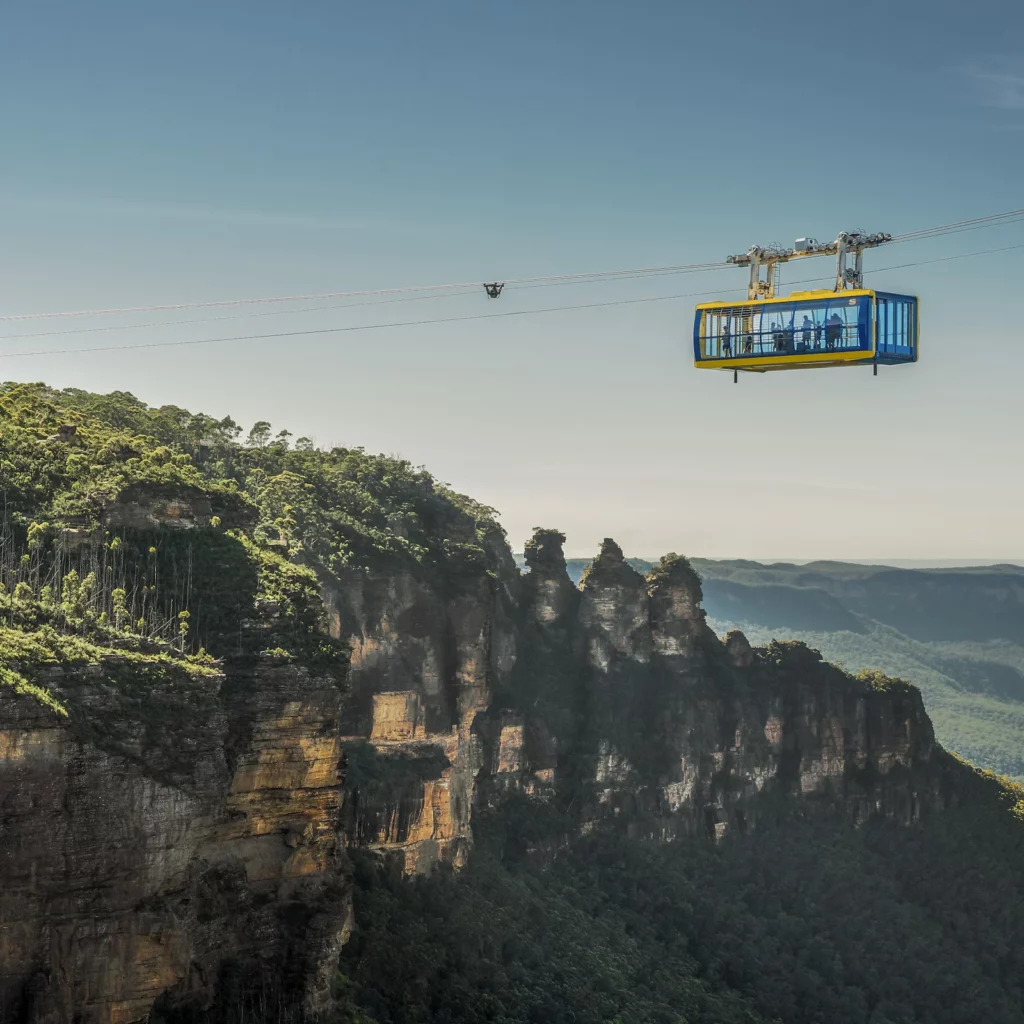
(808, 360)
(824, 293)
(765, 364)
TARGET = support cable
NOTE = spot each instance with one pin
(993, 220)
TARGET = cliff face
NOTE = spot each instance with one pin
(426, 658)
(173, 859)
(135, 864)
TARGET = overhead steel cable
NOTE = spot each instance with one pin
(304, 309)
(692, 268)
(294, 312)
(993, 220)
(168, 307)
(360, 327)
(456, 319)
(519, 282)
(945, 259)
(916, 263)
(231, 316)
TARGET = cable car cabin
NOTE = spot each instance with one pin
(807, 330)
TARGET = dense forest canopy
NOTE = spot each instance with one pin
(811, 922)
(273, 514)
(343, 505)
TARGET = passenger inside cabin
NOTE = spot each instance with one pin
(726, 339)
(833, 332)
(807, 335)
(783, 337)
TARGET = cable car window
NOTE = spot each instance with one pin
(896, 324)
(835, 323)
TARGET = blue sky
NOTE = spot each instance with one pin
(197, 152)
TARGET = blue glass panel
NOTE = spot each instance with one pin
(896, 323)
(835, 323)
(696, 334)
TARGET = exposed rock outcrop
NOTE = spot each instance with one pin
(148, 506)
(615, 608)
(737, 646)
(551, 599)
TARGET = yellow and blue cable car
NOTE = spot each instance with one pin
(847, 326)
(807, 330)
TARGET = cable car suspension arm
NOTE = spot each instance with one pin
(850, 245)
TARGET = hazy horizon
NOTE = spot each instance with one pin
(894, 563)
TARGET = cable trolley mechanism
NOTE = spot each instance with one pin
(494, 290)
(849, 325)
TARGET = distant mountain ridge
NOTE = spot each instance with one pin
(969, 604)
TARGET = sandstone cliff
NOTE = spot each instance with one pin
(182, 841)
(143, 859)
